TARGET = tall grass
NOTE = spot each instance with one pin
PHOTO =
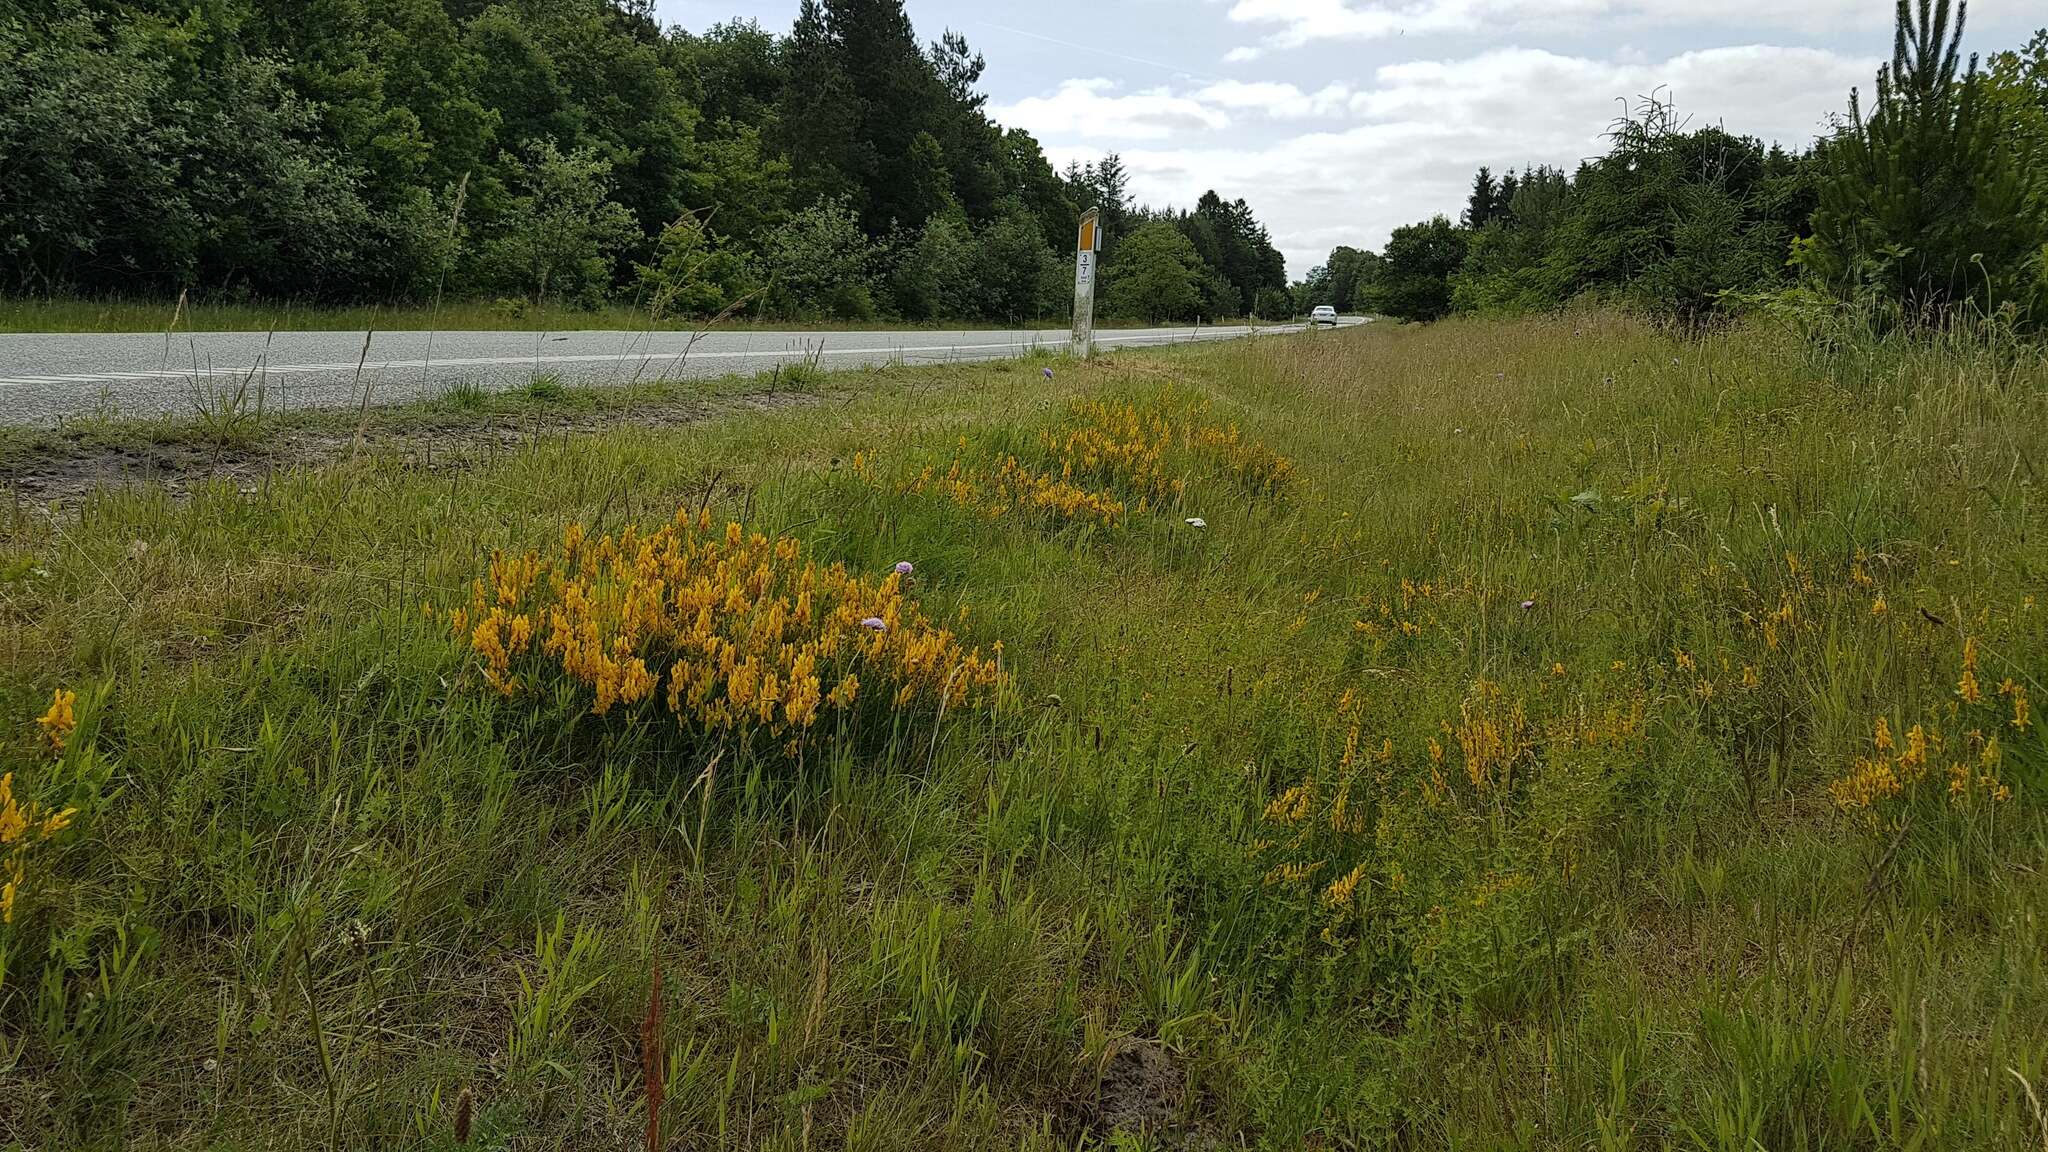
(1465, 783)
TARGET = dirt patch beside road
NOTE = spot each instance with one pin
(64, 467)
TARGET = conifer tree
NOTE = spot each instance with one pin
(1485, 194)
(1925, 199)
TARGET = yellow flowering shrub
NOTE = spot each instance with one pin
(1898, 767)
(1255, 467)
(1102, 463)
(25, 825)
(1010, 486)
(1147, 451)
(732, 634)
(1493, 736)
(1317, 837)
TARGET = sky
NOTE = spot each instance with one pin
(1340, 120)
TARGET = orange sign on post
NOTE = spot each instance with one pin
(1086, 246)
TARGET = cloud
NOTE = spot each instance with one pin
(1093, 109)
(1277, 100)
(1298, 22)
(1097, 109)
(1405, 147)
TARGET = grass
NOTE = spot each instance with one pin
(231, 418)
(72, 314)
(1464, 781)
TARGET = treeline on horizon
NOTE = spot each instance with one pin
(1927, 201)
(563, 152)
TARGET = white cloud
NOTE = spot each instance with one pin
(1298, 22)
(1093, 109)
(1405, 147)
(1278, 100)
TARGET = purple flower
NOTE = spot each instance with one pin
(904, 568)
(1528, 604)
(1048, 373)
(875, 624)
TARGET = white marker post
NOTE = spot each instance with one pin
(1085, 256)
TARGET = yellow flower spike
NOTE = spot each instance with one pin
(58, 722)
(13, 821)
(56, 822)
(1340, 891)
(1967, 688)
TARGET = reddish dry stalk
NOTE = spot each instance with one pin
(650, 1055)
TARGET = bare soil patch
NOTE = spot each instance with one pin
(71, 467)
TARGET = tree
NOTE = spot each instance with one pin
(941, 275)
(562, 233)
(1350, 272)
(1479, 208)
(817, 264)
(1930, 198)
(820, 119)
(1232, 241)
(1414, 281)
(1503, 208)
(320, 148)
(1105, 185)
(1020, 276)
(697, 273)
(894, 94)
(1509, 266)
(737, 73)
(1157, 275)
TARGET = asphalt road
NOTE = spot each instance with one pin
(46, 378)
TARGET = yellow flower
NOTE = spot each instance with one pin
(13, 821)
(22, 824)
(1867, 783)
(1877, 606)
(1338, 894)
(62, 717)
(1967, 687)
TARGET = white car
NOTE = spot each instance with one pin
(1324, 314)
